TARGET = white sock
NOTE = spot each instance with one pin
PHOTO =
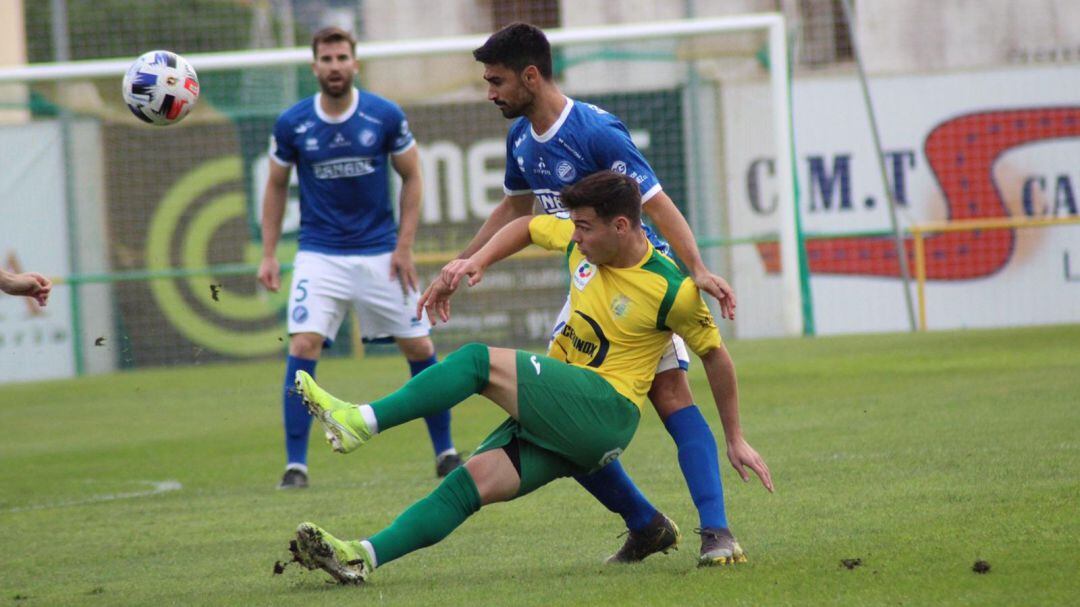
(371, 552)
(450, 451)
(295, 466)
(369, 418)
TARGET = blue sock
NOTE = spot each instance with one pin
(614, 489)
(700, 464)
(438, 425)
(297, 418)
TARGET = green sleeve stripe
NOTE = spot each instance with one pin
(666, 269)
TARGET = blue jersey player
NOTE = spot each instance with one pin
(555, 142)
(342, 142)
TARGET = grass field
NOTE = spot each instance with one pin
(916, 454)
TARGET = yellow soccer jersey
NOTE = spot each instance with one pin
(621, 319)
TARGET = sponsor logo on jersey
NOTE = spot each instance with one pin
(311, 144)
(303, 127)
(340, 168)
(565, 171)
(541, 168)
(595, 347)
(550, 201)
(619, 167)
(339, 141)
(521, 164)
(404, 130)
(583, 274)
(367, 137)
(518, 141)
(620, 305)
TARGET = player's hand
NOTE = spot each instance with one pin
(453, 272)
(403, 269)
(435, 301)
(743, 456)
(29, 284)
(720, 289)
(270, 273)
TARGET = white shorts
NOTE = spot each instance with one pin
(324, 285)
(675, 357)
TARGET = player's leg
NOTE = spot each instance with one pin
(385, 310)
(649, 531)
(472, 369)
(697, 453)
(420, 353)
(316, 309)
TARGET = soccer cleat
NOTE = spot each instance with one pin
(661, 535)
(446, 464)
(294, 479)
(345, 427)
(719, 547)
(346, 561)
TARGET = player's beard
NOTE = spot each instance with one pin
(335, 89)
(514, 111)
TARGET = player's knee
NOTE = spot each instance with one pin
(306, 345)
(473, 351)
(670, 393)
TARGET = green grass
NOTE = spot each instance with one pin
(917, 454)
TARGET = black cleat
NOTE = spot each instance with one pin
(661, 535)
(446, 464)
(719, 547)
(294, 479)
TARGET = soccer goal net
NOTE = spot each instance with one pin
(155, 231)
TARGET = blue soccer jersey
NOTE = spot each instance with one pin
(585, 139)
(345, 206)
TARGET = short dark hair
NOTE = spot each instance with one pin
(329, 35)
(609, 193)
(517, 46)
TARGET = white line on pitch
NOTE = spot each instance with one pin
(158, 487)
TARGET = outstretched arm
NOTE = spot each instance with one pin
(720, 370)
(511, 208)
(512, 238)
(673, 227)
(29, 284)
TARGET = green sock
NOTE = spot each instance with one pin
(429, 520)
(437, 388)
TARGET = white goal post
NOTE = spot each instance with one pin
(771, 24)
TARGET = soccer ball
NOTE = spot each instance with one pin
(161, 87)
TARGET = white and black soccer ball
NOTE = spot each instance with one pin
(160, 88)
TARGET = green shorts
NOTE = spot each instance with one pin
(570, 421)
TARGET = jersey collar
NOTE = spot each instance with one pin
(548, 134)
(336, 119)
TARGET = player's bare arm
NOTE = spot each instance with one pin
(720, 371)
(277, 191)
(673, 227)
(402, 267)
(511, 208)
(512, 238)
(28, 284)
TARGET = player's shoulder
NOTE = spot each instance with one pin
(378, 106)
(593, 116)
(665, 268)
(519, 128)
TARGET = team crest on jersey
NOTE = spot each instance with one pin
(565, 171)
(620, 305)
(367, 138)
(339, 140)
(583, 274)
(619, 167)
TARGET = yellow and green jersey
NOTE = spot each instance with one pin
(621, 319)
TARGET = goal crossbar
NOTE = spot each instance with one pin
(771, 23)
